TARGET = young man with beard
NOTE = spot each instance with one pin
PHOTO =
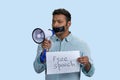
(63, 40)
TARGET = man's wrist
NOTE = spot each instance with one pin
(87, 67)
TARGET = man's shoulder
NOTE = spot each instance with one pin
(77, 39)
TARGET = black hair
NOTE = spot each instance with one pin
(64, 12)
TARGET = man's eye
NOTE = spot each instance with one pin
(53, 21)
(59, 21)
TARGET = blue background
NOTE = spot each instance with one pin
(97, 22)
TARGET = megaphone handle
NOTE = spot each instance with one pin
(43, 56)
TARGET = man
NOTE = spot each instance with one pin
(63, 40)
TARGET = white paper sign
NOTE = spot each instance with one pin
(62, 62)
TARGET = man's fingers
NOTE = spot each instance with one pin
(46, 44)
(83, 60)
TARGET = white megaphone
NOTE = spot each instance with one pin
(39, 36)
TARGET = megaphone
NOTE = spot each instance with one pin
(39, 36)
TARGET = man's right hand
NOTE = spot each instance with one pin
(46, 44)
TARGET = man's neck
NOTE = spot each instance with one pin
(64, 35)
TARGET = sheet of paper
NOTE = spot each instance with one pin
(62, 62)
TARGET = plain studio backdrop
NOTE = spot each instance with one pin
(97, 22)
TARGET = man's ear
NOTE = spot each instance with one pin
(69, 23)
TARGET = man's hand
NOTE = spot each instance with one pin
(46, 44)
(85, 61)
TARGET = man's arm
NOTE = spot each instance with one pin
(38, 66)
(86, 61)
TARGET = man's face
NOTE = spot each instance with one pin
(59, 21)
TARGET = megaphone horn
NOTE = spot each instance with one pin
(39, 35)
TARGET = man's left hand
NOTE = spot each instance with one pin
(85, 61)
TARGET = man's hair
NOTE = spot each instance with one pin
(64, 12)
